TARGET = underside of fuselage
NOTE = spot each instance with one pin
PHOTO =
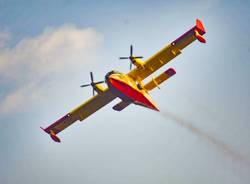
(129, 90)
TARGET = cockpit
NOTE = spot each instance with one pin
(110, 73)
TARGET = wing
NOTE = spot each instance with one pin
(169, 52)
(80, 113)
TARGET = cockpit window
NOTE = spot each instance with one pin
(111, 72)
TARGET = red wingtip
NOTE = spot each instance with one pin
(200, 27)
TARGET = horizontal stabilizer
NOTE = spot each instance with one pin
(121, 105)
(155, 82)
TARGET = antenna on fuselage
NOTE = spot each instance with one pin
(131, 57)
(93, 84)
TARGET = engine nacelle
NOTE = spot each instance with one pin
(138, 62)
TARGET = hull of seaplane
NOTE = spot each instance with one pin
(127, 89)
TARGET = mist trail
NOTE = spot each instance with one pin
(212, 140)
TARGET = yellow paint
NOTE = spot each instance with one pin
(161, 58)
(155, 82)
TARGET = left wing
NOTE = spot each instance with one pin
(80, 113)
(169, 52)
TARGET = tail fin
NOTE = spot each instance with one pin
(199, 31)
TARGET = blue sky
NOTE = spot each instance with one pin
(201, 134)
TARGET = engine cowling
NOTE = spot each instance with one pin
(138, 63)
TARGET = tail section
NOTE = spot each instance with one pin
(199, 31)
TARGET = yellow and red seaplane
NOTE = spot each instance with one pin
(129, 87)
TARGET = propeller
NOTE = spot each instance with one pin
(131, 57)
(92, 83)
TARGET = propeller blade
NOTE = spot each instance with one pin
(99, 82)
(131, 57)
(92, 84)
(91, 76)
(138, 57)
(85, 85)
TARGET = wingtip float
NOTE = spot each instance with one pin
(130, 87)
(52, 135)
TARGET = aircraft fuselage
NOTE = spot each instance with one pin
(129, 90)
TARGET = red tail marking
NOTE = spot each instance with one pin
(200, 27)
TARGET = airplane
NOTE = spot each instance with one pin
(129, 87)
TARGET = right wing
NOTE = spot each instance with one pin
(169, 52)
(80, 113)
